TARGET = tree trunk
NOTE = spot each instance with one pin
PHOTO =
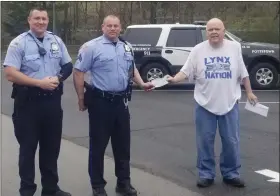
(101, 15)
(131, 8)
(153, 10)
(86, 16)
(65, 24)
(44, 4)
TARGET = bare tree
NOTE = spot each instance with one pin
(153, 13)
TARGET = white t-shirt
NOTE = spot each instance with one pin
(218, 74)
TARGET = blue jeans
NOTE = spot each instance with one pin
(206, 125)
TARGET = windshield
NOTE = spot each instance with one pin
(234, 36)
(142, 36)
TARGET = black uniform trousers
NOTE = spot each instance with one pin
(109, 119)
(38, 122)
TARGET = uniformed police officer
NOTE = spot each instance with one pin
(37, 62)
(110, 62)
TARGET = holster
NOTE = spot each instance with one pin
(88, 95)
(129, 91)
(20, 94)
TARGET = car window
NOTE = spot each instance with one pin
(182, 38)
(204, 36)
(142, 36)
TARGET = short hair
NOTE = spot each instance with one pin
(41, 9)
(110, 16)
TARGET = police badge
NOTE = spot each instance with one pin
(126, 48)
(54, 47)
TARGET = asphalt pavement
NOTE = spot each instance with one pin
(73, 175)
(163, 137)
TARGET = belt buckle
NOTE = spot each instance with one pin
(115, 94)
(112, 96)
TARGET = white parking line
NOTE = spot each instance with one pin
(263, 102)
(269, 173)
(193, 90)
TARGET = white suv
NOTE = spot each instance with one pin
(162, 49)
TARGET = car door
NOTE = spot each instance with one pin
(179, 43)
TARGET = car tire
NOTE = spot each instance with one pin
(258, 82)
(156, 68)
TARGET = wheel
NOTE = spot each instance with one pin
(152, 71)
(264, 76)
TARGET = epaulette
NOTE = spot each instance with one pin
(21, 35)
(98, 38)
(17, 39)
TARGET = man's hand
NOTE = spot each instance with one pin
(82, 106)
(48, 83)
(170, 79)
(148, 86)
(55, 79)
(252, 98)
(180, 76)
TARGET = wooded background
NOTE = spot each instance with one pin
(78, 22)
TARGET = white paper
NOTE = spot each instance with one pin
(257, 108)
(159, 82)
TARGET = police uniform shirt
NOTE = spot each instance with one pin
(23, 54)
(109, 64)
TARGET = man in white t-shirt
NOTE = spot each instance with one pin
(218, 69)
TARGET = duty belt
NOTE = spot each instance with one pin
(111, 96)
(38, 94)
(34, 93)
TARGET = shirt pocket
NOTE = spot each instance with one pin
(32, 62)
(128, 59)
(106, 63)
(55, 59)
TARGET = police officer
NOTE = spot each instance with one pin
(110, 62)
(37, 62)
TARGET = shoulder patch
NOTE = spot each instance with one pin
(80, 58)
(15, 42)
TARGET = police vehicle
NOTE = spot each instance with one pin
(162, 49)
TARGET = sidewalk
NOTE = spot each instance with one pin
(73, 171)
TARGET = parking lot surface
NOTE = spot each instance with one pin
(163, 137)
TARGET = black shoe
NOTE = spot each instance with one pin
(99, 192)
(25, 194)
(58, 193)
(204, 182)
(126, 190)
(236, 182)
